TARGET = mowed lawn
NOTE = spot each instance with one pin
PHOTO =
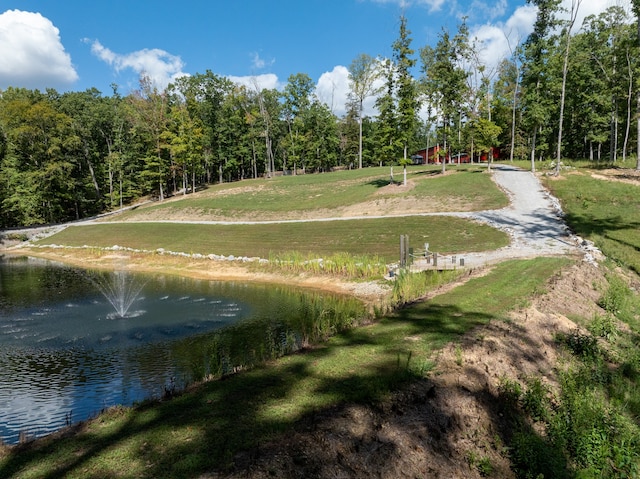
(379, 237)
(466, 187)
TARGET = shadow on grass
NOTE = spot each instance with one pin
(379, 182)
(585, 224)
(230, 425)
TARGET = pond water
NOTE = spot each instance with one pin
(66, 353)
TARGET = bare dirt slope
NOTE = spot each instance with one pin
(447, 424)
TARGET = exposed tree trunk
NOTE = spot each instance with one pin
(629, 98)
(575, 6)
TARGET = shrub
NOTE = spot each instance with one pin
(510, 391)
(583, 345)
(604, 326)
(614, 300)
(535, 399)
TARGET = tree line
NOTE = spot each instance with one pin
(563, 91)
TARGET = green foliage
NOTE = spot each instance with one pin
(584, 345)
(480, 463)
(616, 298)
(510, 392)
(603, 326)
(409, 286)
(533, 457)
(535, 401)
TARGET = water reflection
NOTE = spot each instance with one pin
(64, 356)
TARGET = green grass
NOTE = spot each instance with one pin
(606, 212)
(203, 430)
(379, 237)
(284, 195)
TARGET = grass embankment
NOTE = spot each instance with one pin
(326, 195)
(204, 429)
(353, 248)
(356, 237)
(590, 426)
(605, 212)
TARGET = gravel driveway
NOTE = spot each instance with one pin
(533, 220)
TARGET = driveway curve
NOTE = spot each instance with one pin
(533, 220)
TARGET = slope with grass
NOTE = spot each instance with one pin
(528, 368)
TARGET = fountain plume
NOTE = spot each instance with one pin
(121, 289)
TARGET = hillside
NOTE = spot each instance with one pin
(488, 403)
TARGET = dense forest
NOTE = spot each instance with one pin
(570, 91)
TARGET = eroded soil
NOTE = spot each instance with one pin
(442, 426)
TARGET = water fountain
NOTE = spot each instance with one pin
(121, 289)
(65, 354)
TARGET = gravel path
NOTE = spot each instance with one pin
(533, 220)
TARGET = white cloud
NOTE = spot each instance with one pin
(332, 89)
(31, 53)
(266, 81)
(260, 63)
(497, 40)
(592, 7)
(433, 5)
(160, 66)
(485, 9)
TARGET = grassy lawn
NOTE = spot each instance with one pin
(606, 212)
(286, 194)
(202, 430)
(357, 237)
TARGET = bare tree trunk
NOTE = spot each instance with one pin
(513, 116)
(360, 137)
(533, 149)
(575, 5)
(628, 122)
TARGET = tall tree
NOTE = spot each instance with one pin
(575, 6)
(536, 99)
(39, 169)
(408, 104)
(387, 125)
(150, 120)
(297, 101)
(444, 79)
(363, 72)
(635, 5)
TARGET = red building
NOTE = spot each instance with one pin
(431, 156)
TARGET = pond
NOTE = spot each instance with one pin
(67, 352)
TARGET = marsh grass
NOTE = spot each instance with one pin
(339, 264)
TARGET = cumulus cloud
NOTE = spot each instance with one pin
(332, 89)
(31, 53)
(160, 66)
(266, 81)
(497, 40)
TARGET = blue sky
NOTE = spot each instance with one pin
(72, 45)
